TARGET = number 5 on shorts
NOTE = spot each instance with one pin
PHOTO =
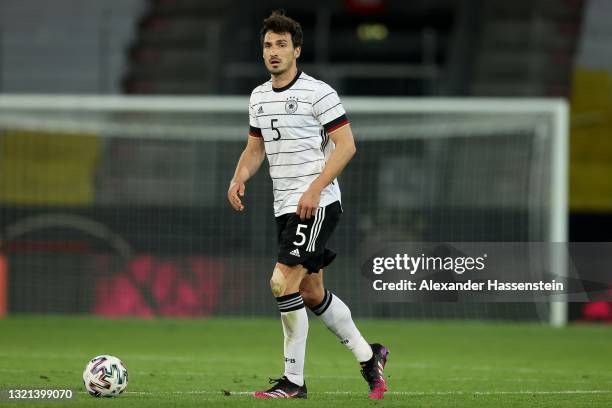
(300, 234)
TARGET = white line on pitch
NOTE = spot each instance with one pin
(338, 377)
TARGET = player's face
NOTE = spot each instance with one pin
(278, 52)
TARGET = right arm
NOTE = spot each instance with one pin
(251, 158)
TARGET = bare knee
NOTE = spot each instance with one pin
(286, 279)
(278, 282)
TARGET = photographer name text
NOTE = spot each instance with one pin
(458, 265)
(469, 285)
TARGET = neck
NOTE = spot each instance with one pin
(280, 80)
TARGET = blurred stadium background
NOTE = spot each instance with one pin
(121, 123)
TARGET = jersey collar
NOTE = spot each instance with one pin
(290, 84)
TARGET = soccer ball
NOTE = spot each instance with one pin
(105, 376)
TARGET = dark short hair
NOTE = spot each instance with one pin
(279, 23)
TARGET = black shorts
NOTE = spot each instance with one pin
(303, 242)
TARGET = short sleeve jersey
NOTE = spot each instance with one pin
(295, 122)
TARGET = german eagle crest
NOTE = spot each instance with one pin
(291, 105)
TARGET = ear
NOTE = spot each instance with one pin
(297, 52)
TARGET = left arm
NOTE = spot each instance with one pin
(342, 154)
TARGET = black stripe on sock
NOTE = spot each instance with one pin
(291, 302)
(292, 308)
(322, 307)
(288, 297)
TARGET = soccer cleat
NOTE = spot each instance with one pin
(283, 389)
(372, 371)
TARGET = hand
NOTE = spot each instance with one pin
(308, 204)
(236, 188)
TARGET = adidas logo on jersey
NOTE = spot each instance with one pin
(260, 110)
(295, 252)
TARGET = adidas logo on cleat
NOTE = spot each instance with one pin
(283, 389)
(295, 252)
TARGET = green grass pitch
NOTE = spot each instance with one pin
(188, 363)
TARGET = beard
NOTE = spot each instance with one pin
(279, 70)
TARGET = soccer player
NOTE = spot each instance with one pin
(299, 123)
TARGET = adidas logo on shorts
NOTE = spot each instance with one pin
(260, 110)
(295, 252)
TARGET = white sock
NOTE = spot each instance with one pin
(337, 317)
(295, 329)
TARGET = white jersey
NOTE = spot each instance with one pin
(294, 122)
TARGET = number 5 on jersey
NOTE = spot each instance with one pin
(275, 129)
(300, 234)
